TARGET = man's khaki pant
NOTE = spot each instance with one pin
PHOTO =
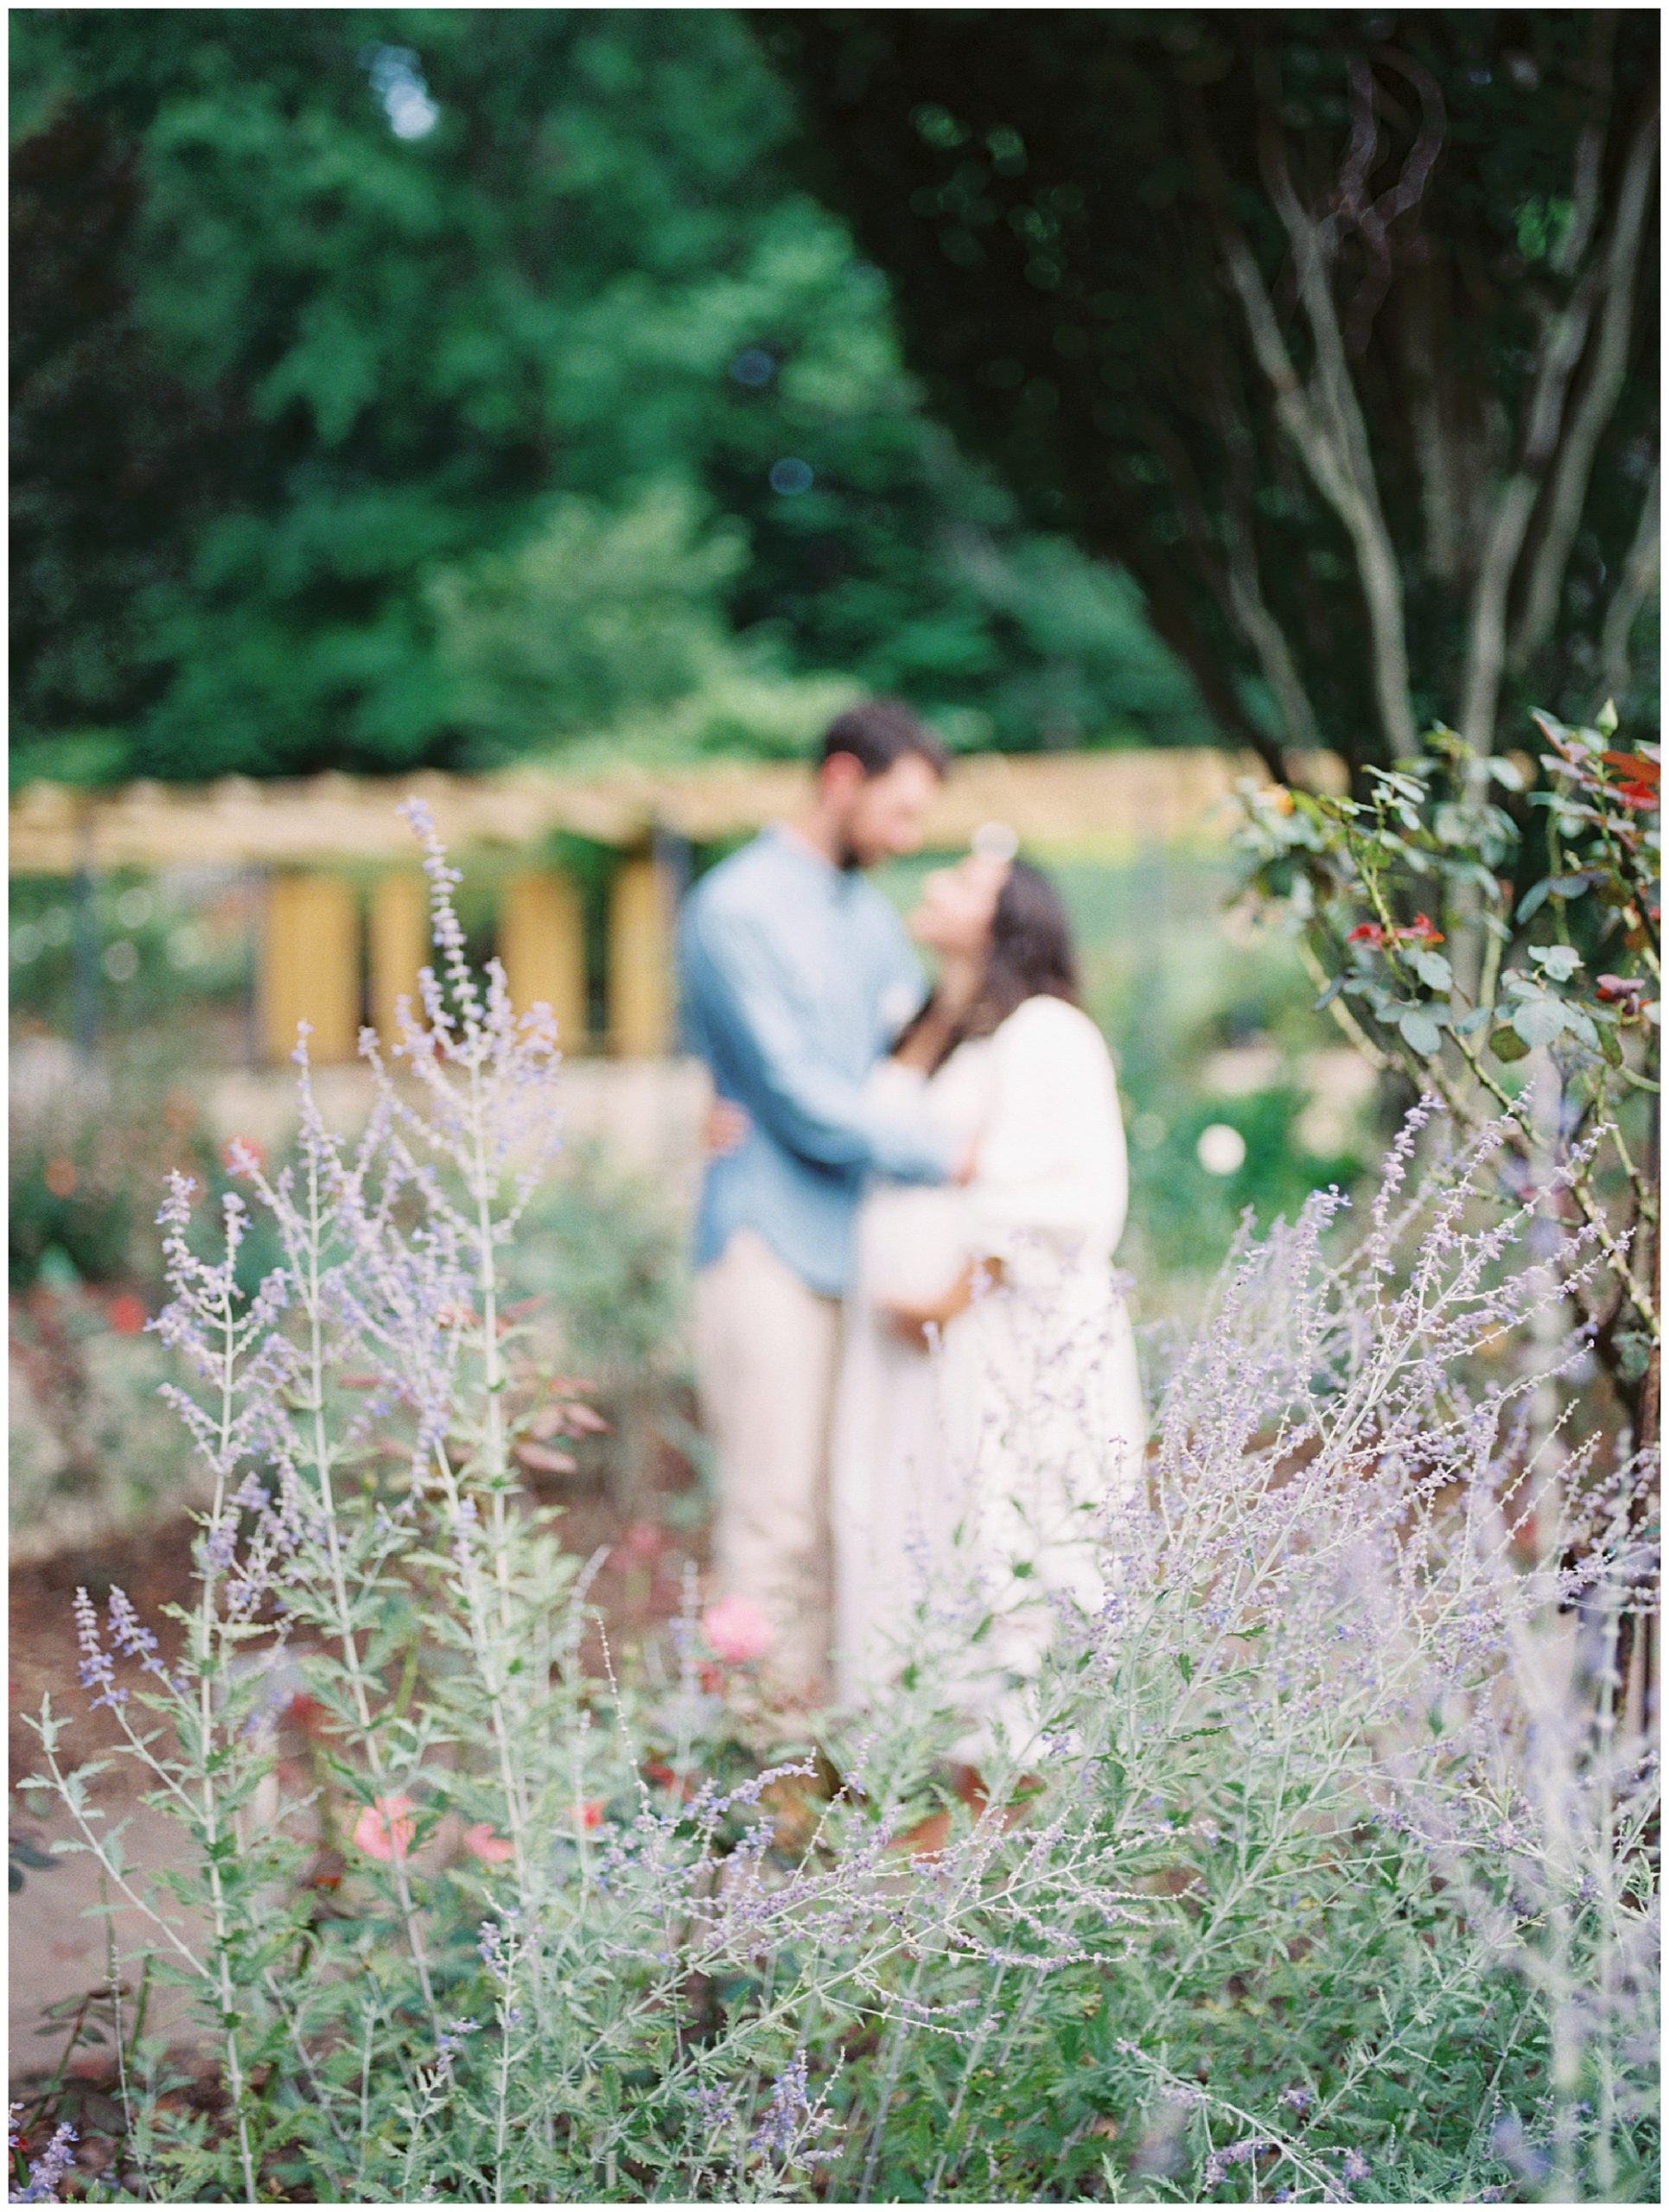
(766, 1353)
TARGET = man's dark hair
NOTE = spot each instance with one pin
(881, 732)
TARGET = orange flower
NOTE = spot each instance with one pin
(126, 1314)
(385, 1827)
(487, 1845)
(590, 1813)
(60, 1177)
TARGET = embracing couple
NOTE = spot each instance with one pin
(914, 1363)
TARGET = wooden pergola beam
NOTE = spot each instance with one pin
(1094, 804)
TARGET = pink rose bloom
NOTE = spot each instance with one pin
(487, 1845)
(736, 1630)
(385, 1827)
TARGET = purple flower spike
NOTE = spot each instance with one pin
(47, 2172)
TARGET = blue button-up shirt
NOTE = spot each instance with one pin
(795, 978)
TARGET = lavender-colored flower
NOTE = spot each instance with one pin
(496, 1946)
(132, 1638)
(789, 2119)
(98, 1672)
(1233, 2154)
(453, 2038)
(717, 2108)
(47, 2172)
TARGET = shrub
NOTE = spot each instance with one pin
(1331, 1873)
(1549, 903)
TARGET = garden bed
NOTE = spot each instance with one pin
(56, 1957)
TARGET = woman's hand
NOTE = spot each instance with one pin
(726, 1125)
(913, 1322)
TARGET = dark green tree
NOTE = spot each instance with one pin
(358, 353)
(1336, 329)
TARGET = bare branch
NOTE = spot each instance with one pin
(1574, 469)
(1563, 339)
(1436, 449)
(1590, 148)
(1343, 464)
(1638, 582)
(1375, 220)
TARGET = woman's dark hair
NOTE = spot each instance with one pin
(1031, 957)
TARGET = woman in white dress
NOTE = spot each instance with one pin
(990, 1409)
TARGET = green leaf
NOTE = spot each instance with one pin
(1508, 1044)
(1633, 1349)
(1538, 1021)
(1475, 1020)
(1329, 996)
(1559, 963)
(1420, 1032)
(1535, 898)
(1432, 968)
(1606, 721)
(1580, 1024)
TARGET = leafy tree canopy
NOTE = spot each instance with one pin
(1337, 329)
(435, 385)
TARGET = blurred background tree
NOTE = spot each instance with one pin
(432, 385)
(1337, 330)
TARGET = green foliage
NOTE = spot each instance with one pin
(413, 337)
(597, 618)
(1548, 901)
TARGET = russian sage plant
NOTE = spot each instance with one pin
(1326, 1872)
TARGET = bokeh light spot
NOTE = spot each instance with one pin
(789, 476)
(753, 367)
(1221, 1150)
